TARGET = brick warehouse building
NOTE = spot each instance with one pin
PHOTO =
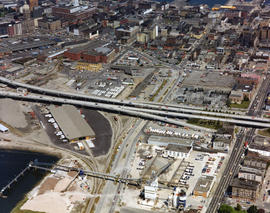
(73, 14)
(94, 52)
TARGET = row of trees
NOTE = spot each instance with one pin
(238, 209)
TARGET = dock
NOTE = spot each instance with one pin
(14, 180)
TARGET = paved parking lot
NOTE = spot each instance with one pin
(200, 160)
(102, 129)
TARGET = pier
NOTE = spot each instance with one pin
(53, 168)
(14, 180)
(44, 166)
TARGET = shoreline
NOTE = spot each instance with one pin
(187, 3)
(35, 147)
(31, 149)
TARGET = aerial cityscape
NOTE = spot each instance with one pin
(135, 106)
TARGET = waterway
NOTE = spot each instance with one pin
(210, 3)
(11, 164)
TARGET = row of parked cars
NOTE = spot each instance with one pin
(57, 132)
(187, 174)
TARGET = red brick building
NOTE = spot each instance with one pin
(249, 79)
(72, 14)
(95, 52)
(73, 55)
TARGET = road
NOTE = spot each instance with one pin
(83, 97)
(139, 126)
(121, 167)
(164, 116)
(105, 107)
(238, 150)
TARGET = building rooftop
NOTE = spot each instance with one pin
(171, 140)
(3, 128)
(71, 122)
(30, 45)
(204, 184)
(178, 148)
(245, 184)
(245, 169)
(93, 47)
(154, 166)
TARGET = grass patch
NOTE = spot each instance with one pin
(20, 204)
(206, 123)
(264, 132)
(243, 105)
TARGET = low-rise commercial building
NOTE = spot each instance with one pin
(246, 190)
(165, 141)
(203, 186)
(260, 146)
(253, 174)
(51, 24)
(236, 97)
(253, 160)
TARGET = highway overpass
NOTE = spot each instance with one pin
(99, 106)
(136, 112)
(134, 104)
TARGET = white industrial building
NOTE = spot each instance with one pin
(150, 192)
(177, 151)
(3, 129)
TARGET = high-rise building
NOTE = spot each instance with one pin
(264, 30)
(26, 10)
(32, 4)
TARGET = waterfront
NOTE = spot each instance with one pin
(210, 3)
(11, 163)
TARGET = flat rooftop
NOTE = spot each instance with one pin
(204, 184)
(178, 148)
(209, 80)
(71, 122)
(154, 165)
(245, 184)
(93, 47)
(30, 45)
(170, 140)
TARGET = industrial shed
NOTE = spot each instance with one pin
(71, 123)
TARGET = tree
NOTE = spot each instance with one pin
(228, 102)
(225, 209)
(238, 207)
(246, 98)
(252, 209)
